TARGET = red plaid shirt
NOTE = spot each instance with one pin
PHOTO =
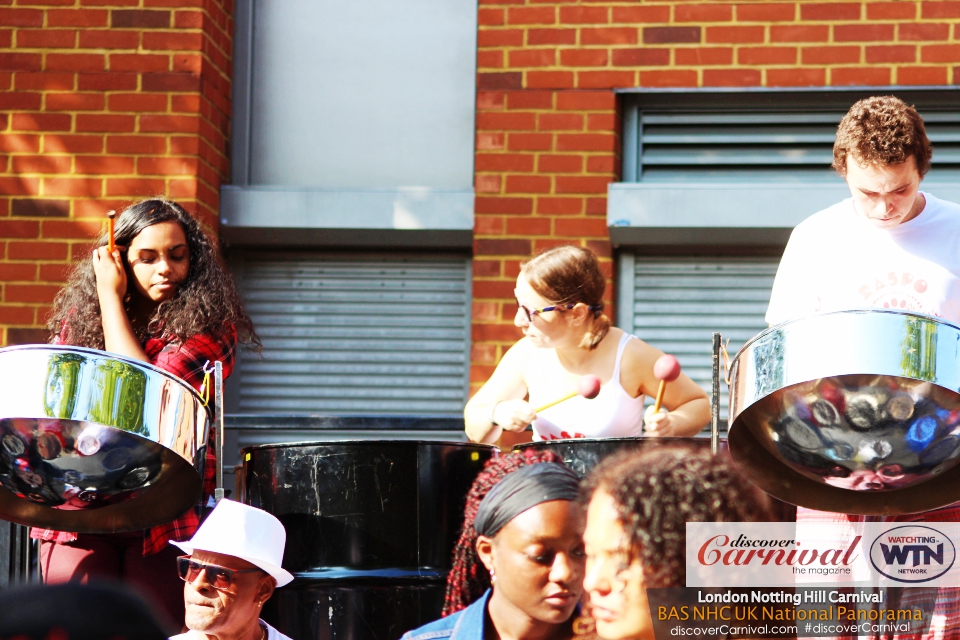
(186, 362)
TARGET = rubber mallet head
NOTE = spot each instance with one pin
(589, 386)
(665, 369)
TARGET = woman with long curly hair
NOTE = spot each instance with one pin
(518, 565)
(639, 507)
(163, 297)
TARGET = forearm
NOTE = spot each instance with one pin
(118, 335)
(478, 424)
(691, 417)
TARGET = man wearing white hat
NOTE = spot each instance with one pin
(232, 569)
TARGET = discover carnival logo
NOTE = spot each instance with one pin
(912, 553)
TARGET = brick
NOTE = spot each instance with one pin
(641, 15)
(137, 144)
(528, 184)
(74, 102)
(46, 39)
(41, 164)
(167, 166)
(141, 187)
(504, 162)
(586, 101)
(487, 100)
(669, 35)
(602, 122)
(560, 206)
(76, 18)
(641, 57)
(37, 251)
(29, 292)
(19, 229)
(736, 35)
(185, 103)
(187, 63)
(528, 226)
(580, 227)
(138, 102)
(500, 204)
(584, 15)
(57, 272)
(891, 11)
(43, 80)
(892, 53)
(860, 76)
(486, 311)
(551, 36)
(597, 206)
(13, 271)
(72, 143)
(922, 75)
(582, 184)
(498, 332)
(489, 59)
(504, 247)
(491, 17)
(530, 142)
(77, 187)
(19, 100)
(20, 61)
(506, 121)
(923, 31)
(171, 124)
(10, 314)
(940, 53)
(170, 82)
(601, 164)
(767, 55)
(40, 208)
(560, 122)
(490, 141)
(702, 13)
(40, 122)
(492, 226)
(75, 62)
(796, 77)
(830, 11)
(106, 123)
(549, 163)
(608, 35)
(605, 79)
(109, 39)
(107, 81)
(19, 142)
(490, 81)
(830, 55)
(487, 184)
(862, 32)
(188, 20)
(531, 15)
(21, 18)
(104, 165)
(799, 33)
(672, 78)
(172, 41)
(550, 79)
(703, 56)
(532, 58)
(766, 12)
(584, 57)
(137, 18)
(586, 142)
(500, 38)
(184, 145)
(732, 77)
(940, 9)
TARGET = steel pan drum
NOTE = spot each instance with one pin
(370, 526)
(93, 442)
(853, 412)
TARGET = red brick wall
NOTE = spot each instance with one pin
(103, 102)
(547, 121)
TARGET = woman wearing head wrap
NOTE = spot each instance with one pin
(522, 545)
(640, 504)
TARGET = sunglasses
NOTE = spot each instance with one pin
(530, 313)
(217, 577)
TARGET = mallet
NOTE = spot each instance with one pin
(665, 369)
(588, 387)
(111, 244)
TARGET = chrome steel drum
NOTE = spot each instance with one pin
(93, 442)
(853, 412)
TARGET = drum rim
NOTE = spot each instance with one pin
(282, 445)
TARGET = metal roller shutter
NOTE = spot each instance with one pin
(676, 305)
(372, 336)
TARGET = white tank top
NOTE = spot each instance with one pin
(612, 414)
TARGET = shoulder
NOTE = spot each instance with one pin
(466, 624)
(637, 351)
(829, 218)
(442, 628)
(945, 210)
(272, 634)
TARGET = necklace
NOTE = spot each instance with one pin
(263, 632)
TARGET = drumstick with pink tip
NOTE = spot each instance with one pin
(588, 387)
(665, 369)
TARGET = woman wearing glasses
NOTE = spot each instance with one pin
(566, 336)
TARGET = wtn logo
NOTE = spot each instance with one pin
(912, 553)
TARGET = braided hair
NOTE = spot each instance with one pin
(468, 578)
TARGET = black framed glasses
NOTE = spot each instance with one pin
(217, 577)
(530, 313)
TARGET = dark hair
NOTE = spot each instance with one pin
(206, 302)
(882, 130)
(659, 490)
(468, 578)
(568, 274)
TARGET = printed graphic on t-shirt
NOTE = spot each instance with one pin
(903, 291)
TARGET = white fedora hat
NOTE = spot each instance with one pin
(244, 532)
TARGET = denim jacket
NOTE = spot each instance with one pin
(466, 624)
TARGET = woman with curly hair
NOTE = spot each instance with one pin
(163, 297)
(518, 565)
(639, 507)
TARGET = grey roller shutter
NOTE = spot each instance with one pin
(357, 336)
(678, 304)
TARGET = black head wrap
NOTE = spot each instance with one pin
(521, 490)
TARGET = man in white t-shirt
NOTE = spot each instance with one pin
(889, 245)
